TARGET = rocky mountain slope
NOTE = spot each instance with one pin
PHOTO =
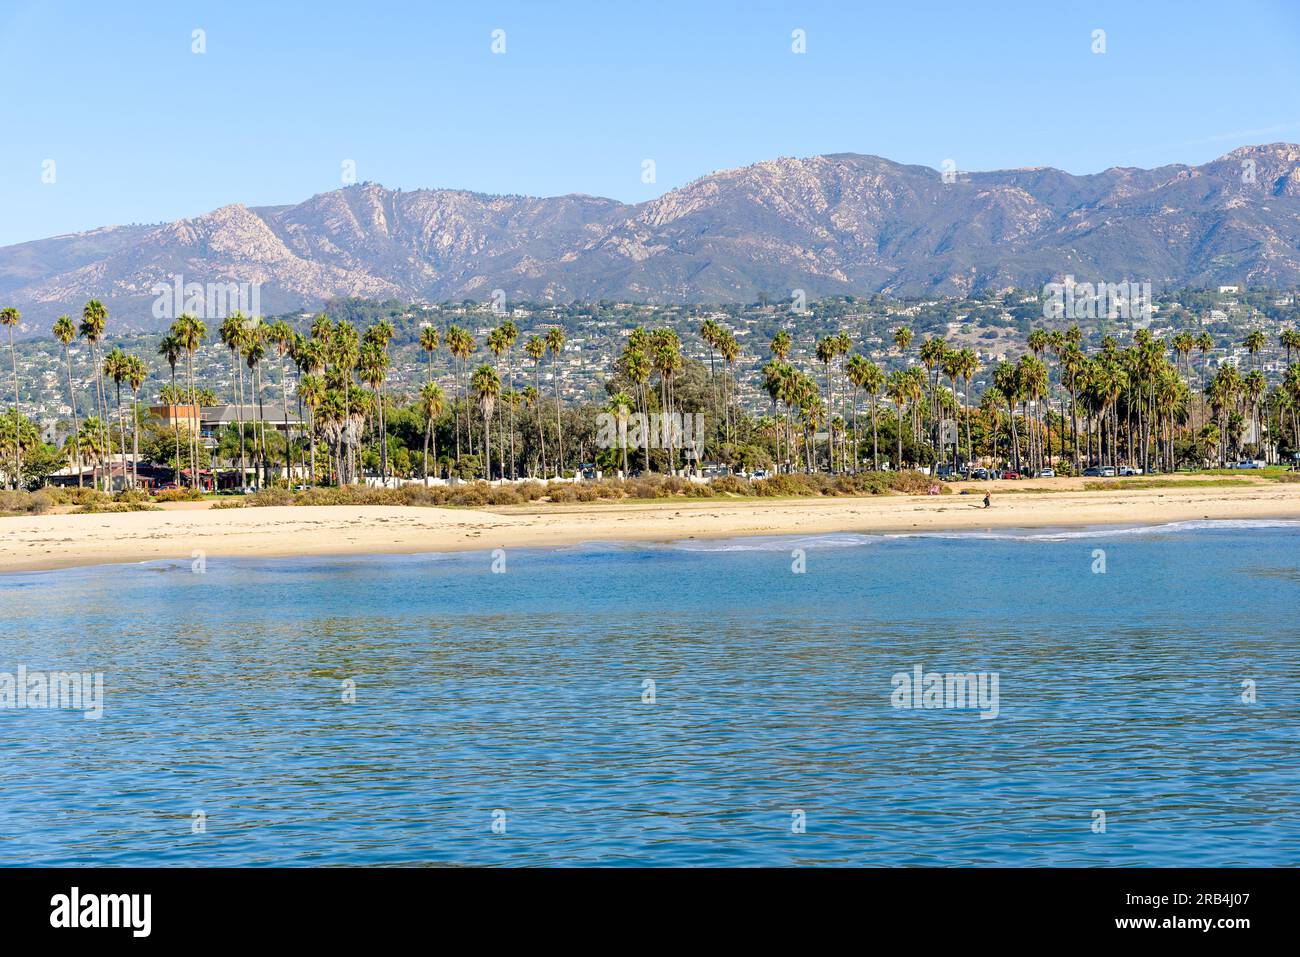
(826, 224)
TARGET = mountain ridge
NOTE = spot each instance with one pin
(828, 224)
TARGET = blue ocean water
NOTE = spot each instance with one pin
(520, 698)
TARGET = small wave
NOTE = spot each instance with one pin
(778, 543)
(1109, 531)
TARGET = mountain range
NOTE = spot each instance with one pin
(832, 224)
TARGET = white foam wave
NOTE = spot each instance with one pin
(779, 543)
(1110, 531)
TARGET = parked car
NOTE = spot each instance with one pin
(1011, 474)
(1099, 471)
(758, 474)
(980, 475)
(1047, 473)
(1248, 464)
(1129, 470)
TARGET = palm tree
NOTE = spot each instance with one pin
(88, 444)
(233, 334)
(94, 320)
(254, 353)
(730, 351)
(170, 348)
(620, 405)
(116, 368)
(966, 365)
(535, 349)
(857, 371)
(373, 370)
(636, 366)
(509, 336)
(486, 385)
(191, 331)
(65, 331)
(431, 405)
(136, 373)
(281, 335)
(312, 391)
(933, 351)
(555, 345)
(781, 343)
(461, 345)
(902, 338)
(873, 381)
(666, 359)
(1254, 342)
(827, 350)
(1006, 378)
(496, 343)
(9, 318)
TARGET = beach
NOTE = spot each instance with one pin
(180, 531)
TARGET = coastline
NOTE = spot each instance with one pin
(33, 543)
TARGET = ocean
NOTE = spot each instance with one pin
(781, 701)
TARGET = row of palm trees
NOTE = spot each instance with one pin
(1122, 405)
(1056, 404)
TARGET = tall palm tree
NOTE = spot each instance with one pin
(461, 345)
(373, 370)
(486, 385)
(730, 351)
(254, 353)
(65, 331)
(94, 320)
(136, 373)
(827, 350)
(431, 405)
(509, 336)
(9, 317)
(555, 346)
(191, 331)
(636, 366)
(535, 349)
(312, 390)
(170, 348)
(282, 335)
(899, 389)
(1006, 377)
(666, 358)
(233, 335)
(116, 367)
(496, 343)
(966, 365)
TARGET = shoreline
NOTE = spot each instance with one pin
(53, 541)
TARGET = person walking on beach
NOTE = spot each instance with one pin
(987, 498)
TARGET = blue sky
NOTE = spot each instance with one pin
(141, 129)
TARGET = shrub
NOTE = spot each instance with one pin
(179, 495)
(26, 503)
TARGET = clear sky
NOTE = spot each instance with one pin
(142, 129)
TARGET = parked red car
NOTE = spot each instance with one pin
(1010, 474)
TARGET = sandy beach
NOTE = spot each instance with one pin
(58, 541)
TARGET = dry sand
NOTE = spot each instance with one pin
(55, 541)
